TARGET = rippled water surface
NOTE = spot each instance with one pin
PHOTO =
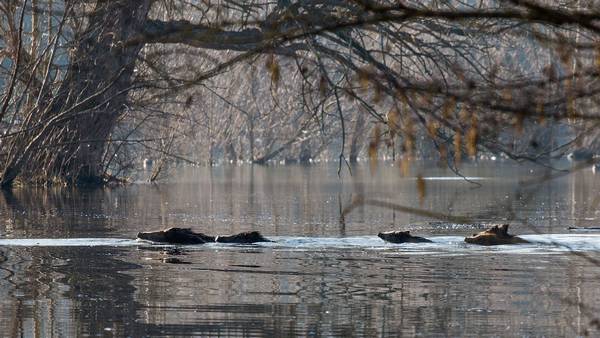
(70, 266)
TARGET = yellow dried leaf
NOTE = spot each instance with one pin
(464, 114)
(273, 68)
(448, 108)
(275, 73)
(432, 128)
(472, 140)
(571, 110)
(404, 165)
(364, 78)
(409, 135)
(598, 58)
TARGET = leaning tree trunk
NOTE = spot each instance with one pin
(68, 133)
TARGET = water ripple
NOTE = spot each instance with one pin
(449, 245)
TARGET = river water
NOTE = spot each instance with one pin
(69, 264)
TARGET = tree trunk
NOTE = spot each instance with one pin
(357, 134)
(251, 136)
(305, 151)
(231, 153)
(70, 142)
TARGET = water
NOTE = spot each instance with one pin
(69, 264)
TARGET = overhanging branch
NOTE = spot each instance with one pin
(201, 36)
(311, 23)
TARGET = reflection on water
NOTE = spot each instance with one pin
(323, 278)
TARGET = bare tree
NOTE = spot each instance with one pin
(89, 79)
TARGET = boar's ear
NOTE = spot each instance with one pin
(504, 229)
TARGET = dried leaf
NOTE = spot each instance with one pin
(432, 128)
(449, 107)
(472, 138)
(464, 114)
(275, 75)
(404, 165)
(507, 95)
(409, 135)
(377, 96)
(443, 155)
(518, 122)
(598, 58)
(571, 110)
(373, 146)
(323, 86)
(364, 78)
(273, 68)
(539, 110)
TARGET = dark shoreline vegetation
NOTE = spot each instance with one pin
(389, 111)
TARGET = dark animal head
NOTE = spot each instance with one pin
(154, 236)
(395, 236)
(255, 236)
(243, 238)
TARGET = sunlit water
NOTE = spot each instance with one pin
(70, 266)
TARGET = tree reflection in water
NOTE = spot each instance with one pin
(262, 291)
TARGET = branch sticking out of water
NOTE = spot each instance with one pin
(361, 201)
